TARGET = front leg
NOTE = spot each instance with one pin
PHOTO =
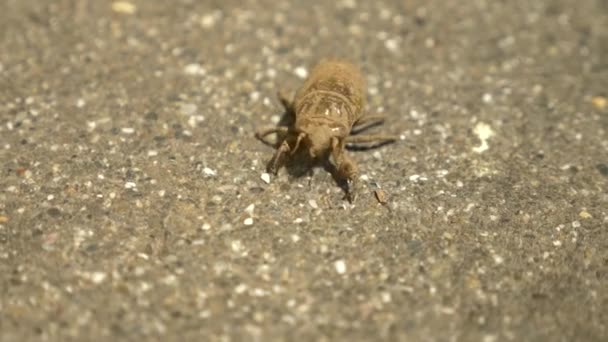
(275, 162)
(261, 134)
(346, 168)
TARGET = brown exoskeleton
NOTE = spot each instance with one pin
(326, 108)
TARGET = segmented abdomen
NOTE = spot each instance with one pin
(334, 90)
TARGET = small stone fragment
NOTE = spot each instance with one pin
(301, 72)
(340, 266)
(3, 219)
(209, 172)
(248, 221)
(584, 214)
(265, 177)
(124, 7)
(599, 102)
(381, 196)
(313, 204)
(194, 69)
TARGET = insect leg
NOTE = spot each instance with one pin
(371, 138)
(285, 100)
(274, 164)
(261, 134)
(346, 167)
(366, 122)
(298, 141)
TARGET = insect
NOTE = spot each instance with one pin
(326, 109)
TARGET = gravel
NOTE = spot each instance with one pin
(134, 202)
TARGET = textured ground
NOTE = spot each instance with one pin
(132, 205)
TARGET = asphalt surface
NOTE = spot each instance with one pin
(133, 204)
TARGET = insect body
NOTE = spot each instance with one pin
(325, 110)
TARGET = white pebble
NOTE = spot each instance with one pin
(248, 221)
(194, 69)
(483, 132)
(241, 288)
(236, 246)
(487, 98)
(152, 153)
(301, 72)
(98, 277)
(130, 185)
(249, 209)
(208, 21)
(209, 172)
(391, 44)
(265, 177)
(298, 220)
(313, 204)
(340, 266)
(123, 7)
(128, 130)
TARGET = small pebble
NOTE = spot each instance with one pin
(584, 214)
(194, 69)
(208, 21)
(98, 277)
(128, 130)
(130, 185)
(3, 219)
(340, 266)
(209, 172)
(381, 196)
(313, 204)
(487, 98)
(265, 177)
(301, 72)
(248, 221)
(599, 102)
(483, 132)
(391, 45)
(236, 246)
(123, 7)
